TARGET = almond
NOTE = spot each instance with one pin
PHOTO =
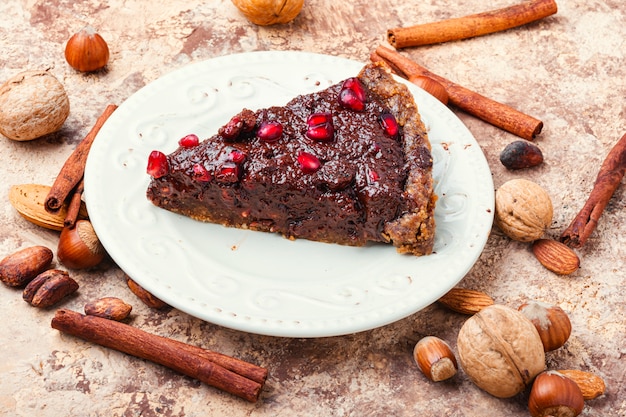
(556, 256)
(465, 301)
(146, 297)
(21, 267)
(591, 385)
(29, 200)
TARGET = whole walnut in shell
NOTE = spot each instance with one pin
(269, 12)
(523, 210)
(32, 104)
(500, 350)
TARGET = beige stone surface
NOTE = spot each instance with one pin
(568, 70)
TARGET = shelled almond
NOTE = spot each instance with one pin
(465, 301)
(556, 256)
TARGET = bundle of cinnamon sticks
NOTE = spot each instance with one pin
(497, 114)
(68, 186)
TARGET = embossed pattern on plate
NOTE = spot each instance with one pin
(259, 282)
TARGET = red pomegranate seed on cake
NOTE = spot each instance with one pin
(352, 95)
(355, 85)
(228, 173)
(270, 131)
(320, 127)
(373, 175)
(200, 173)
(189, 141)
(237, 156)
(232, 129)
(349, 100)
(308, 162)
(390, 124)
(157, 164)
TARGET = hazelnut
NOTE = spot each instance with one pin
(79, 246)
(500, 350)
(552, 323)
(32, 104)
(435, 358)
(523, 210)
(86, 51)
(553, 394)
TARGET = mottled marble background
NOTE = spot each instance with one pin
(569, 70)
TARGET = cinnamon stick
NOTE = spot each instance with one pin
(74, 168)
(486, 109)
(175, 355)
(471, 26)
(73, 208)
(609, 178)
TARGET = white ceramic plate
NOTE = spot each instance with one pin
(260, 282)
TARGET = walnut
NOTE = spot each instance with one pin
(269, 12)
(500, 350)
(32, 104)
(523, 210)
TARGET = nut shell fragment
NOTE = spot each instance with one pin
(49, 288)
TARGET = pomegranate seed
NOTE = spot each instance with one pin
(308, 162)
(157, 164)
(270, 131)
(320, 127)
(237, 156)
(228, 173)
(189, 141)
(352, 95)
(355, 85)
(349, 100)
(232, 129)
(390, 124)
(200, 173)
(373, 175)
(244, 122)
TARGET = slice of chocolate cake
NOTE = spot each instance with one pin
(350, 164)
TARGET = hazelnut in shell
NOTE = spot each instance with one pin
(435, 358)
(555, 395)
(86, 50)
(500, 350)
(552, 323)
(79, 247)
